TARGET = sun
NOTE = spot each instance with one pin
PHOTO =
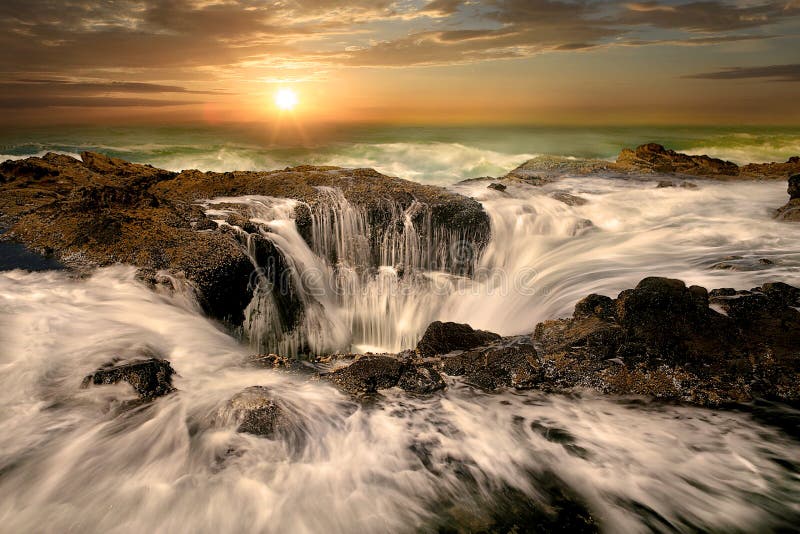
(286, 99)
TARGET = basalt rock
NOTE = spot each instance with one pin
(791, 211)
(101, 210)
(369, 373)
(150, 378)
(651, 159)
(666, 340)
(441, 338)
(255, 411)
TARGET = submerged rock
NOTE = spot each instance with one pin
(256, 412)
(497, 186)
(569, 199)
(150, 378)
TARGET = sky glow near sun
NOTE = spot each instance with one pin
(401, 61)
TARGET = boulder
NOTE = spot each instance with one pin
(150, 378)
(791, 210)
(652, 157)
(256, 412)
(512, 363)
(368, 374)
(441, 338)
(497, 186)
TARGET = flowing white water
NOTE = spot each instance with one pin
(380, 294)
(72, 460)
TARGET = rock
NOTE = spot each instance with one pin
(512, 363)
(794, 187)
(441, 338)
(568, 199)
(256, 412)
(103, 211)
(652, 157)
(791, 211)
(595, 306)
(150, 378)
(368, 374)
(421, 379)
(496, 186)
(664, 340)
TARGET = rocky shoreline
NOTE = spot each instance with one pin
(660, 339)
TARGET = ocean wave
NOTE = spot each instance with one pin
(749, 148)
(429, 162)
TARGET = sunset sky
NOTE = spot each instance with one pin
(405, 61)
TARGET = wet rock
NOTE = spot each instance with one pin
(791, 211)
(595, 306)
(794, 186)
(441, 338)
(497, 186)
(512, 363)
(150, 378)
(422, 379)
(652, 157)
(368, 374)
(568, 199)
(256, 412)
(103, 210)
(668, 341)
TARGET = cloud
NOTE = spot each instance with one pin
(23, 102)
(705, 15)
(77, 49)
(778, 73)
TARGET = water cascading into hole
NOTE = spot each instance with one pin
(359, 279)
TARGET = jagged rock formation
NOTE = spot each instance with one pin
(791, 210)
(150, 378)
(661, 339)
(649, 159)
(103, 210)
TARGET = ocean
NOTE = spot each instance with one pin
(430, 154)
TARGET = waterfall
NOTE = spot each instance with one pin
(358, 279)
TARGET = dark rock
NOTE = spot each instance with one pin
(511, 364)
(791, 211)
(497, 186)
(368, 374)
(150, 378)
(255, 411)
(794, 187)
(423, 379)
(595, 305)
(442, 338)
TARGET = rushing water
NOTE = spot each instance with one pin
(75, 459)
(71, 460)
(544, 256)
